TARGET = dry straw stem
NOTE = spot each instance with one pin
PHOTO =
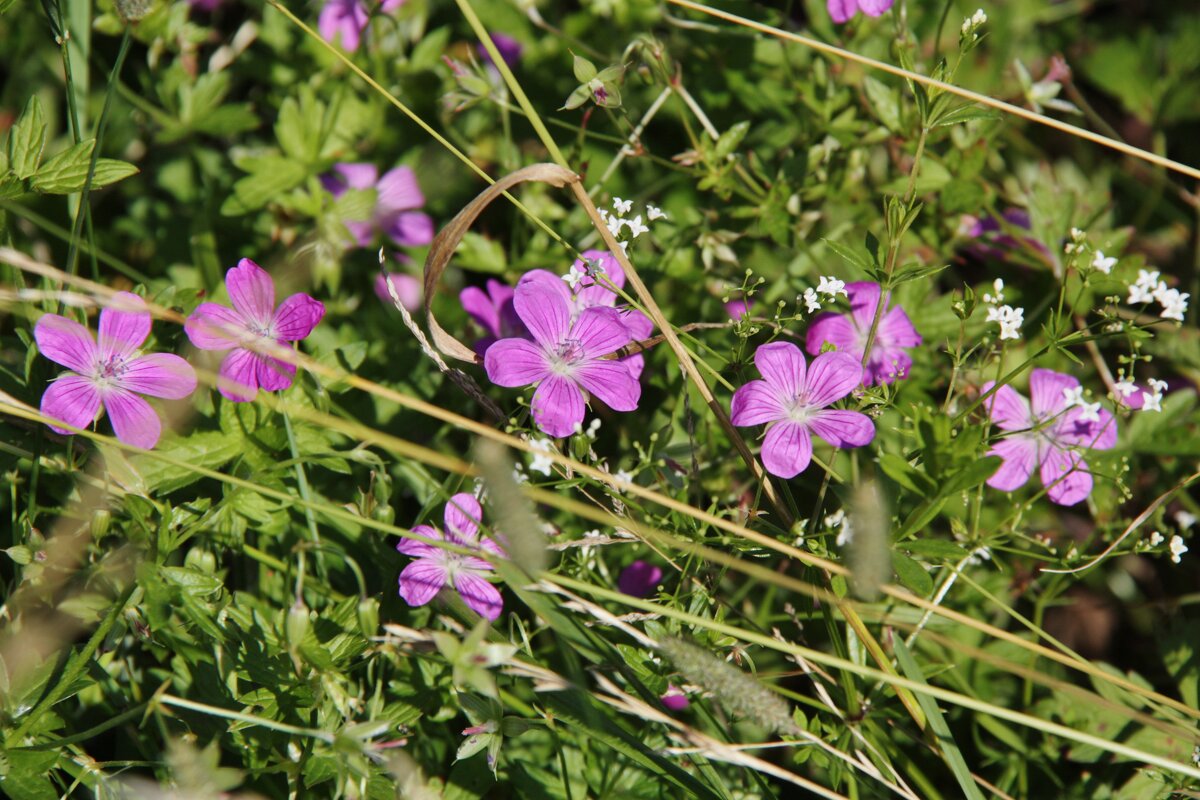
(949, 88)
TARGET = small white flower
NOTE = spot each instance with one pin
(654, 212)
(832, 286)
(594, 266)
(978, 18)
(813, 302)
(614, 225)
(574, 276)
(1157, 386)
(1102, 263)
(1090, 412)
(1177, 548)
(518, 476)
(1156, 539)
(542, 462)
(1010, 319)
(623, 475)
(835, 519)
(622, 206)
(1174, 303)
(997, 298)
(845, 535)
(624, 247)
(1151, 402)
(1077, 235)
(1074, 397)
(593, 427)
(1145, 288)
(636, 228)
(1125, 387)
(1184, 519)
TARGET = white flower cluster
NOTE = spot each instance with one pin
(615, 222)
(1010, 319)
(1074, 397)
(1177, 548)
(542, 462)
(972, 24)
(841, 522)
(1148, 288)
(1076, 245)
(829, 286)
(1102, 263)
(1151, 400)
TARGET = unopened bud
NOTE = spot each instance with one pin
(368, 616)
(297, 623)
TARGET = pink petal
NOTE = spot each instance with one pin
(547, 279)
(515, 362)
(787, 449)
(837, 330)
(411, 547)
(783, 367)
(864, 297)
(843, 428)
(635, 363)
(886, 365)
(361, 232)
(557, 405)
(274, 375)
(462, 516)
(757, 403)
(1008, 410)
(594, 295)
(124, 326)
(479, 595)
(639, 325)
(1096, 434)
(296, 317)
(252, 292)
(639, 579)
(353, 176)
(399, 191)
(346, 18)
(611, 382)
(71, 399)
(544, 311)
(1046, 391)
(159, 375)
(238, 376)
(411, 229)
(1066, 477)
(875, 8)
(896, 330)
(831, 377)
(840, 10)
(215, 327)
(64, 341)
(481, 308)
(599, 331)
(421, 580)
(133, 420)
(408, 289)
(1020, 454)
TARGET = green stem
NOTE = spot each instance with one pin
(306, 496)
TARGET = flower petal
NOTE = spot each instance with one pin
(1066, 476)
(124, 326)
(160, 375)
(133, 420)
(896, 330)
(410, 229)
(787, 449)
(71, 399)
(839, 10)
(831, 377)
(756, 403)
(479, 595)
(352, 176)
(215, 327)
(1007, 409)
(399, 191)
(408, 289)
(547, 279)
(639, 325)
(886, 365)
(599, 331)
(421, 580)
(783, 367)
(864, 297)
(482, 308)
(612, 268)
(274, 375)
(515, 362)
(411, 547)
(875, 8)
(557, 405)
(639, 579)
(837, 330)
(238, 376)
(611, 382)
(64, 341)
(544, 311)
(296, 317)
(252, 292)
(843, 428)
(1098, 434)
(462, 516)
(1020, 454)
(1046, 391)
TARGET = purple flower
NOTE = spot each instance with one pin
(110, 374)
(408, 289)
(990, 232)
(674, 699)
(348, 19)
(253, 319)
(849, 333)
(736, 309)
(842, 10)
(565, 358)
(510, 49)
(398, 196)
(493, 311)
(791, 400)
(589, 293)
(433, 566)
(639, 579)
(1046, 433)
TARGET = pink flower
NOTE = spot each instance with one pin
(110, 374)
(398, 196)
(1046, 434)
(348, 19)
(253, 319)
(508, 47)
(842, 10)
(736, 309)
(565, 358)
(674, 699)
(639, 579)
(408, 289)
(848, 332)
(493, 311)
(433, 566)
(792, 400)
(589, 293)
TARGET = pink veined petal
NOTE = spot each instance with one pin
(548, 280)
(875, 8)
(594, 295)
(238, 376)
(133, 420)
(462, 517)
(411, 229)
(787, 449)
(476, 564)
(1046, 392)
(345, 17)
(557, 405)
(838, 330)
(864, 297)
(481, 308)
(599, 331)
(252, 291)
(783, 367)
(274, 375)
(611, 382)
(756, 403)
(842, 10)
(408, 289)
(1066, 476)
(1098, 434)
(1007, 409)
(831, 377)
(896, 329)
(215, 327)
(71, 399)
(1020, 454)
(421, 580)
(64, 341)
(354, 176)
(399, 191)
(636, 364)
(515, 362)
(479, 595)
(544, 311)
(843, 428)
(411, 547)
(296, 317)
(159, 375)
(886, 365)
(639, 325)
(124, 326)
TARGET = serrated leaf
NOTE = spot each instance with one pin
(27, 140)
(270, 177)
(67, 172)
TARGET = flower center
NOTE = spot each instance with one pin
(568, 354)
(110, 371)
(799, 409)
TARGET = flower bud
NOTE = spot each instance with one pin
(101, 519)
(297, 624)
(368, 616)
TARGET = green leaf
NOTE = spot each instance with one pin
(730, 139)
(27, 140)
(907, 475)
(854, 257)
(935, 549)
(886, 102)
(965, 113)
(270, 177)
(972, 475)
(207, 449)
(67, 172)
(912, 574)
